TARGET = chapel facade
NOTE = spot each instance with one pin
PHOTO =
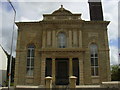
(60, 46)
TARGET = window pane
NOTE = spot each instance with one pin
(32, 62)
(63, 46)
(96, 71)
(31, 72)
(93, 48)
(92, 61)
(28, 71)
(28, 54)
(92, 71)
(91, 55)
(96, 61)
(96, 55)
(62, 40)
(32, 53)
(28, 61)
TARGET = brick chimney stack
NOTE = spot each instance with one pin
(95, 8)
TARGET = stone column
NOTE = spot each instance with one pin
(70, 38)
(81, 77)
(43, 62)
(53, 70)
(70, 67)
(44, 39)
(53, 39)
(80, 39)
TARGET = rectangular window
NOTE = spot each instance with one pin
(30, 60)
(94, 60)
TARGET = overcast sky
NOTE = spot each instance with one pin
(34, 9)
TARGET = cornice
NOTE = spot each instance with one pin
(62, 15)
(76, 22)
(65, 21)
(97, 22)
(27, 23)
(62, 21)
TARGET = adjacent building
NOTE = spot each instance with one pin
(3, 67)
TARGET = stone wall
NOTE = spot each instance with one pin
(80, 34)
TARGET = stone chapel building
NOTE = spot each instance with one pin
(63, 45)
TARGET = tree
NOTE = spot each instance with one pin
(115, 73)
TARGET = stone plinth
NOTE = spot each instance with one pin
(48, 82)
(72, 81)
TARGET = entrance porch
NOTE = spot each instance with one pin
(60, 69)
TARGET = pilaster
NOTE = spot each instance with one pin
(75, 43)
(16, 70)
(53, 70)
(81, 73)
(44, 39)
(43, 62)
(107, 55)
(80, 39)
(70, 38)
(70, 67)
(53, 39)
(49, 38)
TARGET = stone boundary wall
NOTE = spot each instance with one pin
(113, 84)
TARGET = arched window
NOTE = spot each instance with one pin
(30, 60)
(94, 59)
(62, 40)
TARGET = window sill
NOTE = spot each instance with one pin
(95, 76)
(29, 77)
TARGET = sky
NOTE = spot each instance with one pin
(32, 10)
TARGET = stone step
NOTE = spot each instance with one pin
(63, 87)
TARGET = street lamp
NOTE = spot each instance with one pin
(11, 45)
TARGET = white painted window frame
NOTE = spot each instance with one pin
(30, 68)
(94, 66)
